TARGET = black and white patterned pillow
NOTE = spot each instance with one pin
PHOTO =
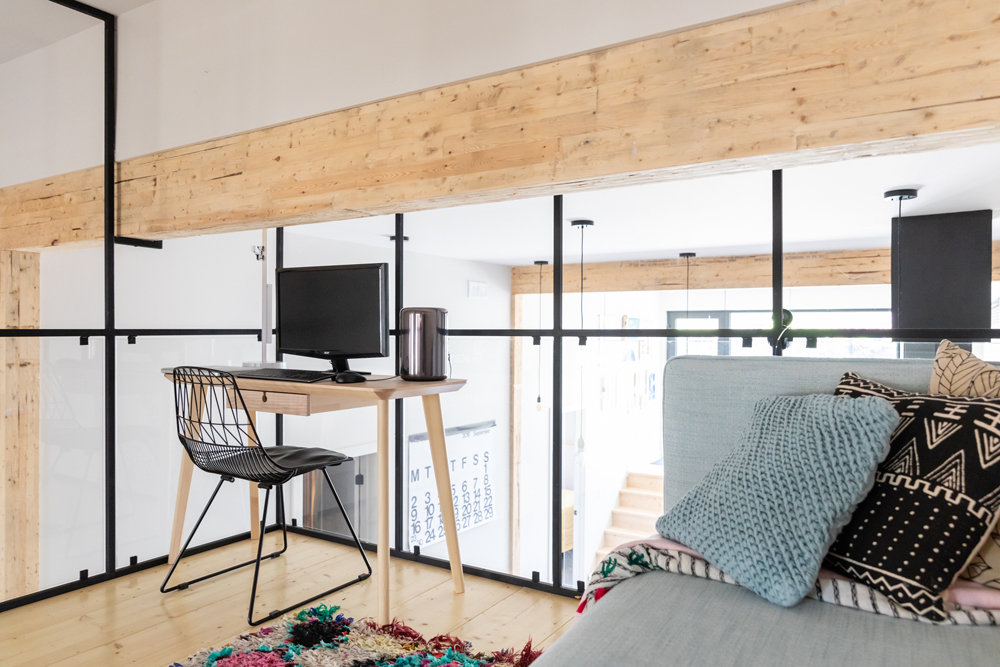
(935, 499)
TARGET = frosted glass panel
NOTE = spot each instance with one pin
(149, 453)
(492, 533)
(462, 259)
(354, 433)
(640, 232)
(71, 462)
(71, 289)
(202, 282)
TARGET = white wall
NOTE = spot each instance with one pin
(191, 70)
(51, 109)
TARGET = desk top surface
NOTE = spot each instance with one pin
(377, 387)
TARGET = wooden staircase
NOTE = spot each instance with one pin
(640, 504)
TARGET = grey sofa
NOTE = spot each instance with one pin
(660, 618)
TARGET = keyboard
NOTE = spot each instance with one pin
(286, 374)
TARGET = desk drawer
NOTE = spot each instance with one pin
(273, 401)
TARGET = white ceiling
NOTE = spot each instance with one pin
(827, 207)
(27, 25)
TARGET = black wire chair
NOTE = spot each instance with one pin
(216, 431)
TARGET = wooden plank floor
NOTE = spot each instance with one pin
(129, 622)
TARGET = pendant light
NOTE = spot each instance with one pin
(582, 225)
(900, 195)
(687, 285)
(538, 341)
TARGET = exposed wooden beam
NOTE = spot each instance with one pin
(19, 434)
(802, 269)
(817, 81)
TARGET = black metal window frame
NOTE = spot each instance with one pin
(725, 320)
(557, 333)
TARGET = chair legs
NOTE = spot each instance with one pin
(361, 577)
(182, 586)
(280, 507)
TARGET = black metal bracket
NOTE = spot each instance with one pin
(138, 243)
(84, 340)
(780, 342)
(131, 340)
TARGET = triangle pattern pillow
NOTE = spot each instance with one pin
(935, 501)
(958, 372)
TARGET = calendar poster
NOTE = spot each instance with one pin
(470, 465)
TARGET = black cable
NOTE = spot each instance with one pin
(687, 289)
(539, 401)
(582, 228)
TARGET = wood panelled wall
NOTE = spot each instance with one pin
(815, 81)
(19, 436)
(801, 269)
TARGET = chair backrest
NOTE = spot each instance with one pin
(215, 428)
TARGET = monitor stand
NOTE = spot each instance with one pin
(341, 366)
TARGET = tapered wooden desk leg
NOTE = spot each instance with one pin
(180, 506)
(254, 500)
(383, 512)
(439, 458)
(196, 403)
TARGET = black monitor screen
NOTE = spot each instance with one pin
(334, 312)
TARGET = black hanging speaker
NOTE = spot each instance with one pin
(942, 270)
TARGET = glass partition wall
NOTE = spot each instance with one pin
(562, 331)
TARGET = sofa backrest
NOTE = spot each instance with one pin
(707, 401)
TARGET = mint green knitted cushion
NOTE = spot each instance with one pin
(768, 512)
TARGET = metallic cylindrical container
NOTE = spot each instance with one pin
(423, 339)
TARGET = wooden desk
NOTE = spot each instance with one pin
(297, 398)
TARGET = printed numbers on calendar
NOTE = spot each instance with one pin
(469, 454)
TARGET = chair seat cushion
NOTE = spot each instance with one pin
(305, 459)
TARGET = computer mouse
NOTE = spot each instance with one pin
(349, 377)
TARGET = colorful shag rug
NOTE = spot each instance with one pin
(322, 637)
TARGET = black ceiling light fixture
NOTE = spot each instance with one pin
(538, 339)
(582, 224)
(687, 256)
(901, 195)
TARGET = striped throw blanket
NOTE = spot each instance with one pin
(634, 559)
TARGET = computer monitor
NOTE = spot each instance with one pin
(334, 312)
